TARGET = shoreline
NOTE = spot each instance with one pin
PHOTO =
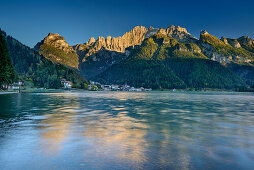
(9, 92)
(77, 90)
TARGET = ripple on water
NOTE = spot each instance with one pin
(115, 130)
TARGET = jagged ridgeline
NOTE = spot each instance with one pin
(167, 58)
(7, 72)
(95, 56)
(37, 70)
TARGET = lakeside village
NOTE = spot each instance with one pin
(93, 86)
(96, 86)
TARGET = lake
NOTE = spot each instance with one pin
(127, 130)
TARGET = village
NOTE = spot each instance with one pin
(93, 86)
(96, 86)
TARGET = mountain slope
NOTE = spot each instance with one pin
(222, 51)
(35, 68)
(100, 61)
(55, 48)
(141, 73)
(160, 46)
(163, 62)
(246, 43)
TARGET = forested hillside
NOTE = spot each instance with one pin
(36, 69)
(162, 62)
(7, 73)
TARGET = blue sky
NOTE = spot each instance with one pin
(78, 20)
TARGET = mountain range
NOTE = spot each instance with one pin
(158, 58)
(209, 61)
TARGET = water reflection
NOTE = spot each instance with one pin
(128, 130)
(55, 126)
(120, 136)
(53, 133)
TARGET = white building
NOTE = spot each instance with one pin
(67, 84)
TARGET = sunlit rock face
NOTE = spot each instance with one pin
(56, 49)
(225, 40)
(57, 41)
(178, 33)
(246, 40)
(246, 43)
(151, 31)
(134, 37)
(234, 43)
(96, 56)
(225, 50)
(203, 32)
(91, 41)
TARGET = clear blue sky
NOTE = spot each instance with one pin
(29, 21)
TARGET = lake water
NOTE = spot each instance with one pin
(127, 130)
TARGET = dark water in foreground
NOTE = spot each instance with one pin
(123, 130)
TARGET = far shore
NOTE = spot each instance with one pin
(8, 92)
(75, 90)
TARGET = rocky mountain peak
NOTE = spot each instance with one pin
(52, 34)
(55, 48)
(179, 33)
(246, 40)
(50, 38)
(151, 31)
(234, 43)
(54, 40)
(138, 29)
(246, 43)
(134, 37)
(230, 41)
(90, 41)
(203, 32)
(224, 39)
(173, 28)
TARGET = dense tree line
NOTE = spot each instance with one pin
(202, 73)
(143, 73)
(246, 72)
(7, 73)
(171, 73)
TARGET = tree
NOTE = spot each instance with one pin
(7, 73)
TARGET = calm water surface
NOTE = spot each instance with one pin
(124, 130)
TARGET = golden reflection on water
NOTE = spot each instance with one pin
(53, 135)
(118, 136)
(55, 128)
